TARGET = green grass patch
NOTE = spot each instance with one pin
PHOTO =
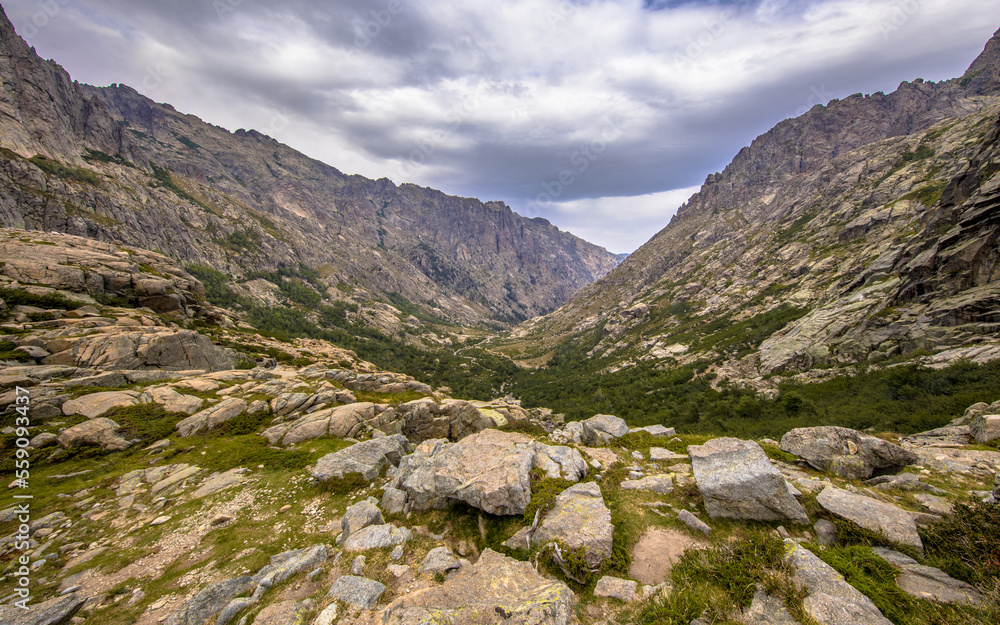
(57, 169)
(966, 543)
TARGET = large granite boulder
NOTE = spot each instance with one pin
(738, 481)
(985, 428)
(600, 429)
(100, 431)
(489, 470)
(209, 601)
(211, 417)
(579, 519)
(366, 458)
(890, 521)
(425, 419)
(829, 600)
(846, 452)
(496, 590)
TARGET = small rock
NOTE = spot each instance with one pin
(439, 560)
(826, 533)
(616, 588)
(360, 593)
(397, 553)
(358, 566)
(693, 522)
(285, 508)
(160, 520)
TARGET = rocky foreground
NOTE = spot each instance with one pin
(181, 480)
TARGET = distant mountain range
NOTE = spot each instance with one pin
(109, 163)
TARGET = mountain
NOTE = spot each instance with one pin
(861, 231)
(110, 164)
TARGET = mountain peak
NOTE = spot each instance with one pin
(983, 76)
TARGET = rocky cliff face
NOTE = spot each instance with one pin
(861, 230)
(110, 164)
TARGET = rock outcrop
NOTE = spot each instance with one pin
(846, 452)
(890, 521)
(830, 599)
(367, 459)
(580, 521)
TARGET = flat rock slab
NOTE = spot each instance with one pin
(52, 612)
(366, 458)
(211, 600)
(496, 590)
(830, 600)
(656, 430)
(96, 404)
(217, 483)
(845, 452)
(661, 454)
(891, 521)
(662, 484)
(579, 519)
(340, 421)
(360, 593)
(738, 481)
(925, 582)
(172, 401)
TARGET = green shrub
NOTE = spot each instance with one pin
(544, 491)
(18, 297)
(966, 543)
(8, 351)
(146, 422)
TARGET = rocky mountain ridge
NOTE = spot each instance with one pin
(111, 164)
(862, 230)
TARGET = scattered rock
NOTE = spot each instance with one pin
(616, 588)
(160, 520)
(288, 612)
(439, 560)
(766, 610)
(100, 431)
(891, 521)
(693, 522)
(377, 537)
(656, 430)
(829, 448)
(826, 533)
(738, 481)
(660, 454)
(360, 593)
(393, 500)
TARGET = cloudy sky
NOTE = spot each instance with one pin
(602, 116)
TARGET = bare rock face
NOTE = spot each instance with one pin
(100, 431)
(489, 470)
(985, 428)
(151, 348)
(496, 590)
(738, 481)
(846, 452)
(52, 612)
(884, 518)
